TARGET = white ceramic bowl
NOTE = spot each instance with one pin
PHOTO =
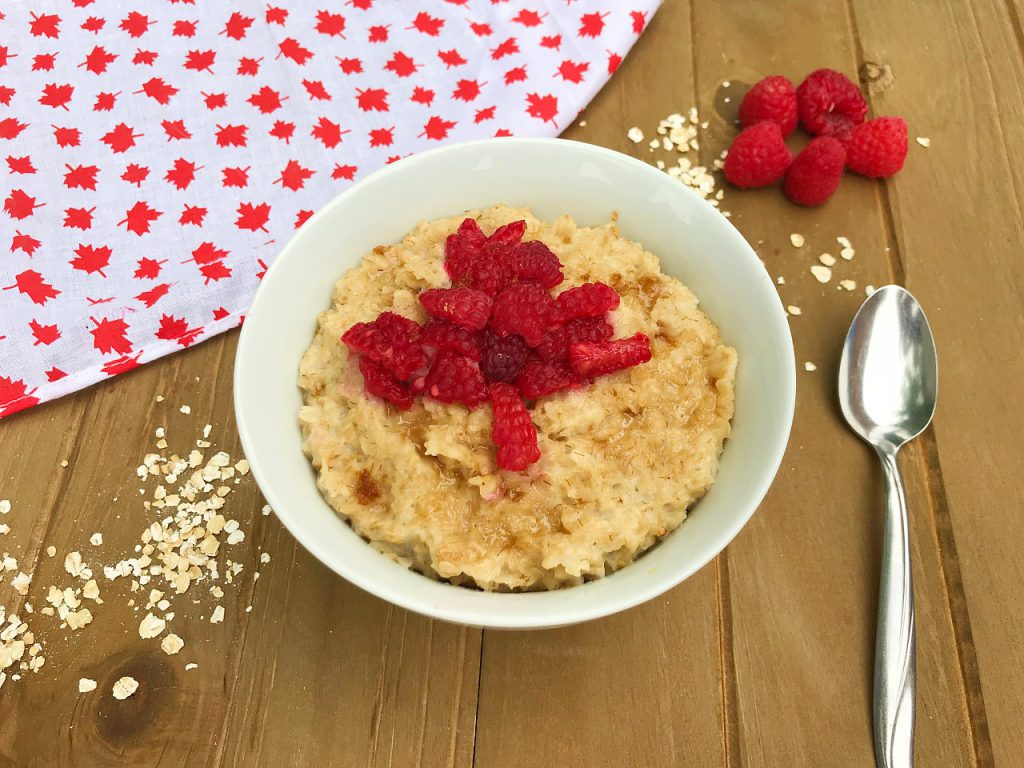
(695, 243)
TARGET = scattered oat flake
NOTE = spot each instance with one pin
(51, 550)
(821, 274)
(85, 685)
(4, 529)
(218, 615)
(797, 240)
(869, 289)
(583, 123)
(96, 539)
(848, 285)
(171, 644)
(264, 557)
(5, 506)
(151, 626)
(924, 141)
(266, 510)
(64, 463)
(186, 409)
(780, 280)
(125, 687)
(635, 135)
(159, 398)
(191, 666)
(21, 583)
(827, 259)
(810, 367)
(91, 590)
(793, 309)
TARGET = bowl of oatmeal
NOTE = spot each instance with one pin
(544, 445)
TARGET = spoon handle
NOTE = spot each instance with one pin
(894, 642)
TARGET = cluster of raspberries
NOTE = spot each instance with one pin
(829, 106)
(497, 334)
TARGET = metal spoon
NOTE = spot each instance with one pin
(888, 377)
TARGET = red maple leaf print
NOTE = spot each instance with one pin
(154, 294)
(135, 174)
(176, 329)
(81, 177)
(216, 270)
(542, 107)
(105, 101)
(427, 24)
(554, 42)
(44, 334)
(19, 205)
(135, 24)
(502, 132)
(66, 137)
(121, 365)
(43, 62)
(158, 90)
(378, 33)
(120, 138)
(614, 60)
(235, 177)
(266, 100)
(93, 24)
(401, 64)
(362, 5)
(5, 55)
(33, 285)
(93, 302)
(484, 114)
(15, 396)
(200, 61)
(55, 374)
(276, 15)
(248, 66)
(591, 24)
(328, 23)
(44, 25)
(283, 130)
(78, 218)
(90, 259)
(293, 176)
(181, 174)
(300, 218)
(350, 65)
(6, 94)
(528, 18)
(23, 242)
(480, 29)
(451, 58)
(437, 128)
(148, 268)
(144, 58)
(316, 90)
(82, 3)
(382, 137)
(207, 253)
(220, 313)
(97, 60)
(392, 159)
(372, 99)
(111, 336)
(292, 49)
(10, 127)
(20, 164)
(56, 96)
(138, 218)
(347, 172)
(572, 71)
(237, 26)
(515, 75)
(192, 214)
(184, 28)
(253, 217)
(175, 130)
(506, 48)
(422, 95)
(231, 135)
(639, 20)
(328, 132)
(214, 100)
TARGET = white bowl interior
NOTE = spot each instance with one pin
(695, 244)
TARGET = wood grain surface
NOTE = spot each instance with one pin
(761, 659)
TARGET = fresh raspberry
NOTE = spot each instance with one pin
(502, 357)
(391, 340)
(526, 309)
(377, 381)
(491, 274)
(758, 156)
(534, 262)
(830, 104)
(455, 379)
(773, 99)
(440, 334)
(539, 379)
(816, 171)
(555, 345)
(600, 357)
(878, 147)
(508, 234)
(462, 306)
(462, 249)
(513, 431)
(588, 300)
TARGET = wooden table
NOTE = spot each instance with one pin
(764, 657)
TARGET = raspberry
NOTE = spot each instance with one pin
(829, 104)
(455, 379)
(878, 147)
(599, 357)
(588, 300)
(773, 99)
(816, 171)
(526, 309)
(758, 156)
(391, 340)
(441, 334)
(539, 379)
(462, 249)
(377, 381)
(462, 306)
(503, 357)
(555, 345)
(508, 234)
(513, 431)
(534, 262)
(491, 273)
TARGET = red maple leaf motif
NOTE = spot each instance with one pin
(15, 396)
(639, 20)
(44, 25)
(154, 294)
(382, 137)
(82, 3)
(542, 107)
(266, 100)
(184, 28)
(347, 172)
(237, 26)
(10, 127)
(78, 218)
(43, 62)
(572, 71)
(19, 205)
(372, 99)
(216, 270)
(401, 64)
(32, 284)
(138, 218)
(437, 128)
(528, 18)
(422, 95)
(328, 23)
(515, 75)
(253, 217)
(350, 65)
(591, 24)
(231, 135)
(105, 101)
(97, 60)
(506, 48)
(502, 132)
(392, 159)
(214, 100)
(55, 374)
(20, 164)
(135, 174)
(111, 336)
(81, 177)
(23, 242)
(451, 58)
(283, 130)
(300, 218)
(328, 132)
(207, 253)
(316, 90)
(176, 329)
(56, 96)
(93, 24)
(148, 268)
(45, 334)
(121, 365)
(487, 113)
(248, 66)
(427, 24)
(614, 60)
(6, 94)
(5, 55)
(120, 138)
(158, 90)
(480, 29)
(275, 15)
(192, 214)
(182, 173)
(200, 61)
(292, 49)
(144, 58)
(554, 42)
(293, 176)
(175, 130)
(378, 33)
(93, 302)
(220, 313)
(66, 137)
(235, 177)
(136, 24)
(90, 259)
(362, 5)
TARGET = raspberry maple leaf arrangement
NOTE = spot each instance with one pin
(498, 335)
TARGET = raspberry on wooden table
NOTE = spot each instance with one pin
(454, 378)
(772, 99)
(462, 249)
(377, 381)
(588, 300)
(758, 156)
(441, 334)
(597, 358)
(534, 262)
(526, 309)
(463, 306)
(540, 379)
(391, 340)
(502, 357)
(830, 104)
(816, 171)
(878, 147)
(513, 431)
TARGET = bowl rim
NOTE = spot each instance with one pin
(570, 612)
